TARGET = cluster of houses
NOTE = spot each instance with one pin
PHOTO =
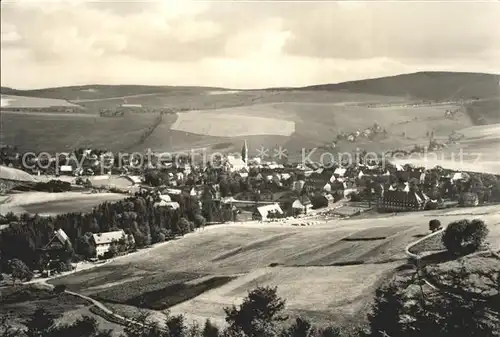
(290, 189)
(102, 242)
(368, 133)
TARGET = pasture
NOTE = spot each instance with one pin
(45, 203)
(293, 119)
(220, 124)
(298, 126)
(477, 152)
(12, 101)
(61, 133)
(320, 270)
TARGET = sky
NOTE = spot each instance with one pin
(239, 45)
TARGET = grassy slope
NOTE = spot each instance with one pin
(424, 85)
(302, 254)
(54, 133)
(96, 91)
(477, 152)
(68, 308)
(319, 113)
(55, 203)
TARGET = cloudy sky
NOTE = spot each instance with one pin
(240, 44)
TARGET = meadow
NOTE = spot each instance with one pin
(292, 119)
(477, 152)
(60, 133)
(327, 271)
(45, 203)
(12, 101)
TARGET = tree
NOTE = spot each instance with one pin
(258, 315)
(476, 233)
(85, 326)
(40, 324)
(464, 235)
(199, 221)
(176, 326)
(85, 247)
(319, 201)
(6, 329)
(386, 310)
(144, 327)
(20, 271)
(210, 330)
(300, 328)
(184, 226)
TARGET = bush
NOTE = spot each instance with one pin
(464, 235)
(319, 201)
(476, 233)
(434, 225)
(60, 288)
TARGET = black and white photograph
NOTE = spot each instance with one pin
(250, 168)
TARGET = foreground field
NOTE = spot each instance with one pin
(327, 272)
(45, 203)
(21, 301)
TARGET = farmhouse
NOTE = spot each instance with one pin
(263, 212)
(301, 205)
(103, 241)
(59, 240)
(56, 246)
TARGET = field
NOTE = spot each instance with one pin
(294, 119)
(319, 272)
(477, 152)
(10, 101)
(45, 203)
(220, 124)
(61, 133)
(313, 125)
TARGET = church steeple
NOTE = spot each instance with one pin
(244, 152)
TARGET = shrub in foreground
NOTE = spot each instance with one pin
(464, 236)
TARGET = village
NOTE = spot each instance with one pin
(237, 189)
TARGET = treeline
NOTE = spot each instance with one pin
(52, 186)
(136, 215)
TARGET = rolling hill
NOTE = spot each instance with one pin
(434, 86)
(295, 118)
(320, 274)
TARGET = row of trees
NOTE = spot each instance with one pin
(135, 215)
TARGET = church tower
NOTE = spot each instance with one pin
(244, 153)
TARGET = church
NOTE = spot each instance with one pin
(238, 163)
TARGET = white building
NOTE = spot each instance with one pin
(235, 164)
(103, 241)
(265, 210)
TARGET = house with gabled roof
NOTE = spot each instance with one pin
(262, 213)
(103, 241)
(59, 240)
